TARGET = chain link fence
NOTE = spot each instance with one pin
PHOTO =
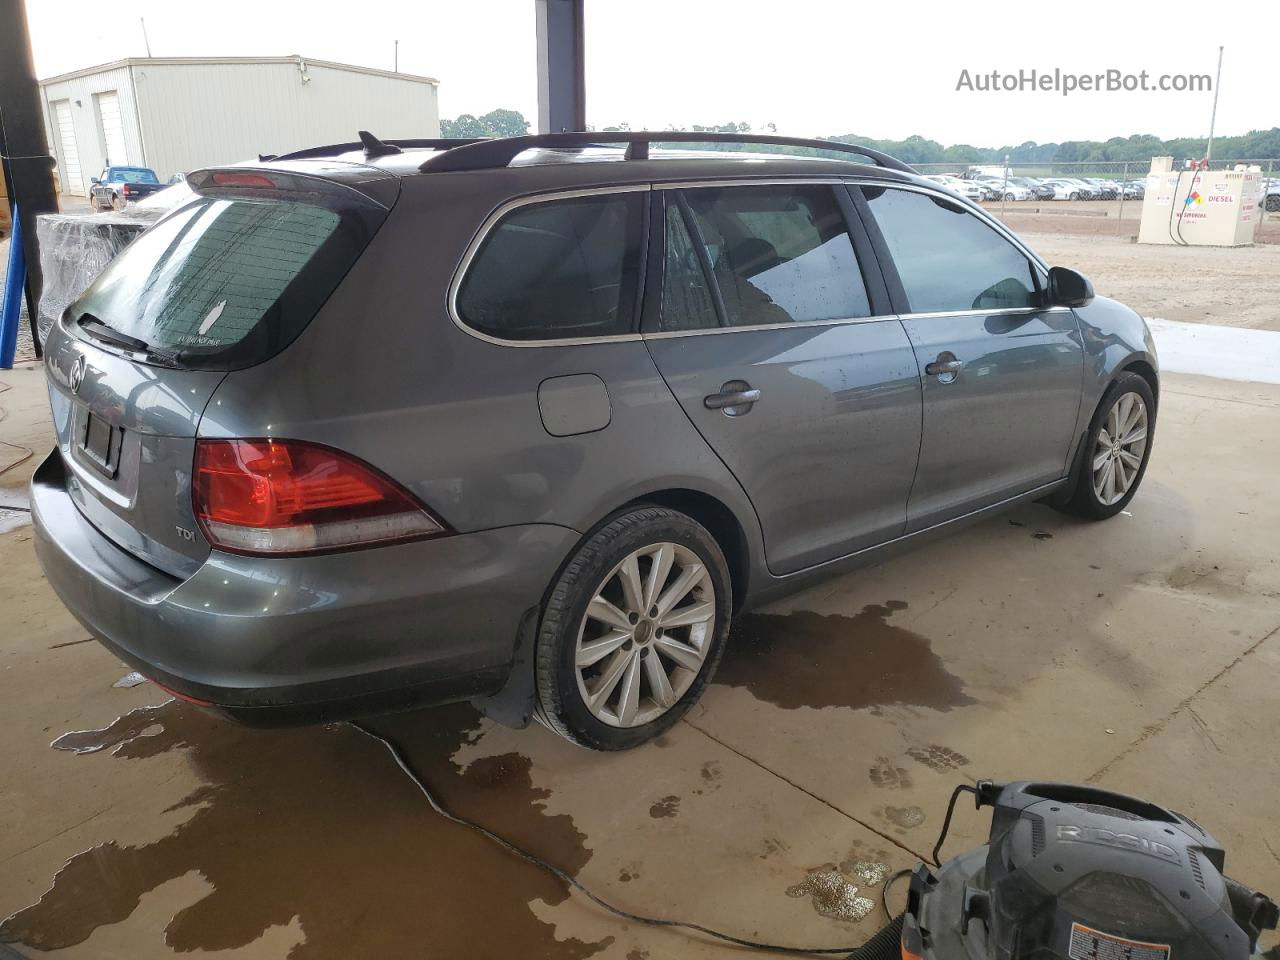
(1088, 196)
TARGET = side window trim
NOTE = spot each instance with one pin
(865, 254)
(704, 261)
(896, 292)
(496, 216)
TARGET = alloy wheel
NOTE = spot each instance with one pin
(1118, 453)
(645, 635)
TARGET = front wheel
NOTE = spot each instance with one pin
(633, 629)
(1117, 449)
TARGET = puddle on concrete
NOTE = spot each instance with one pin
(905, 817)
(833, 895)
(318, 823)
(805, 659)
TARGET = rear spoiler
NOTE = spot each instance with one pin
(338, 184)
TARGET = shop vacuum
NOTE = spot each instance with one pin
(1076, 873)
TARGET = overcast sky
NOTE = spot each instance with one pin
(813, 67)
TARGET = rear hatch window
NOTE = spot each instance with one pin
(226, 281)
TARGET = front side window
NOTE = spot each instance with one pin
(947, 258)
(557, 269)
(777, 254)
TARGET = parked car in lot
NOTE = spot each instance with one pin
(115, 187)
(1106, 189)
(1039, 189)
(1134, 189)
(1065, 188)
(1005, 189)
(970, 189)
(1271, 195)
(531, 420)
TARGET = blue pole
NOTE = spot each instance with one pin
(14, 282)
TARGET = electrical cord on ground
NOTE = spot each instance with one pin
(946, 821)
(403, 764)
(884, 891)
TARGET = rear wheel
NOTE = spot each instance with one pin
(1117, 448)
(118, 203)
(633, 629)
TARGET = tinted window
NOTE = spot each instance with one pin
(947, 258)
(778, 255)
(213, 283)
(562, 268)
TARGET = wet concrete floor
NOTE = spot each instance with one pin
(1126, 653)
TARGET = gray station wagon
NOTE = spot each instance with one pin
(527, 421)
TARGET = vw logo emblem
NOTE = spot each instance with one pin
(77, 373)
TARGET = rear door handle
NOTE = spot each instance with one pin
(945, 368)
(734, 398)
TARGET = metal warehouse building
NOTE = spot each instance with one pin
(175, 115)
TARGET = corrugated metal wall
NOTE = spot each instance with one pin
(194, 115)
(82, 106)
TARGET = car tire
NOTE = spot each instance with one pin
(1129, 402)
(1273, 204)
(635, 561)
(1074, 196)
(1010, 197)
(118, 204)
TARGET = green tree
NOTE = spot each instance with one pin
(495, 123)
(505, 123)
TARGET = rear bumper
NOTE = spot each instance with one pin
(295, 639)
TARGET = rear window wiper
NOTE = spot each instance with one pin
(107, 334)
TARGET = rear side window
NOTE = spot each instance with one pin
(777, 254)
(558, 269)
(224, 283)
(947, 258)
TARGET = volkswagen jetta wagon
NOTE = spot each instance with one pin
(528, 421)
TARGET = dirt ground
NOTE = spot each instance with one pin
(1236, 287)
(1139, 654)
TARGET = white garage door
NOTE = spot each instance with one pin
(112, 128)
(72, 180)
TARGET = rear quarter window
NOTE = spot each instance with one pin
(557, 269)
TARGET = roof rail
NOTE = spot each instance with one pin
(361, 145)
(486, 154)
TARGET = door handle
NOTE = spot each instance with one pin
(734, 398)
(945, 368)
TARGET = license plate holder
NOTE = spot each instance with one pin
(101, 443)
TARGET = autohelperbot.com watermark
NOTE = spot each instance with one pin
(1066, 82)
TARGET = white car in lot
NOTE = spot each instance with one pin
(1005, 188)
(969, 189)
(1065, 188)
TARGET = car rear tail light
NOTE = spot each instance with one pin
(290, 497)
(127, 189)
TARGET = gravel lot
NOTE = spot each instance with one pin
(1231, 286)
